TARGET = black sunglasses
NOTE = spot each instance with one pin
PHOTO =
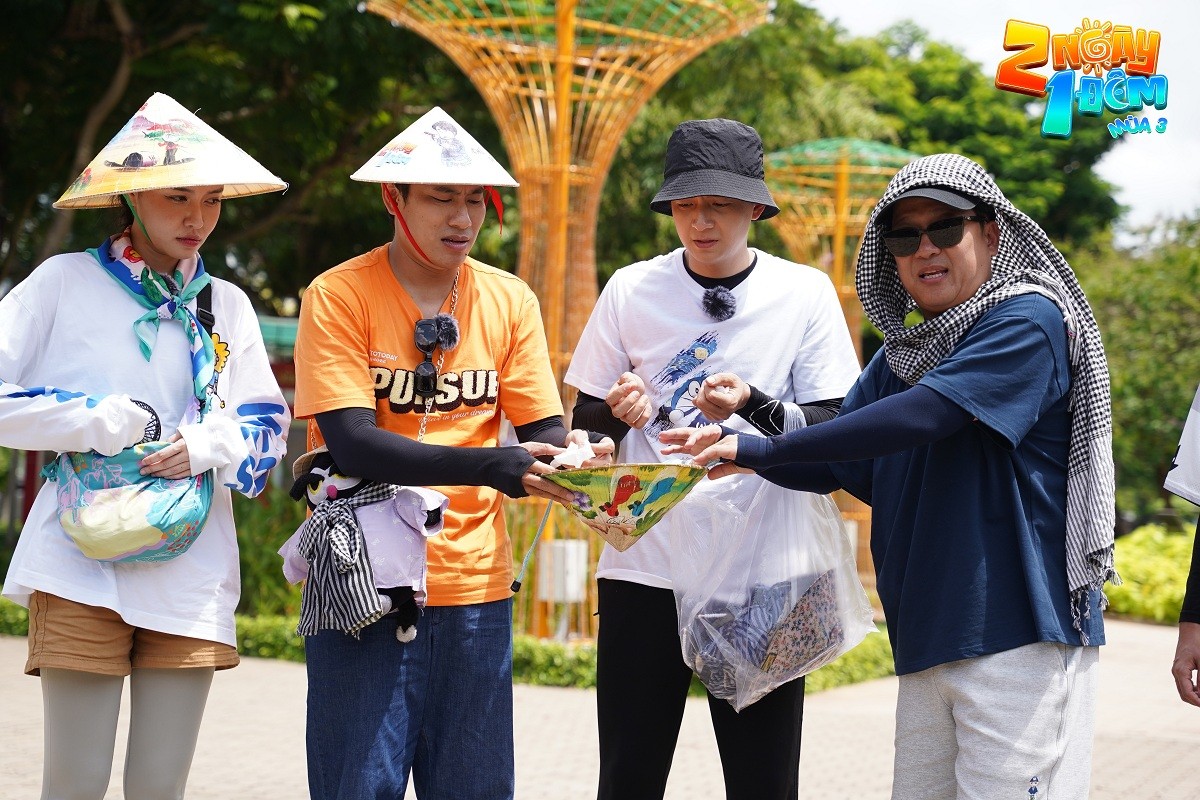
(944, 233)
(425, 376)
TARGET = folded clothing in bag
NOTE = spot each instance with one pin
(762, 634)
(765, 585)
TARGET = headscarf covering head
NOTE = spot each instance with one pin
(165, 146)
(1025, 262)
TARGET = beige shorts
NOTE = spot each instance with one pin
(64, 634)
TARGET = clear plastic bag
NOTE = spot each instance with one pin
(765, 585)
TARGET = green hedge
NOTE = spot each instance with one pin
(1152, 561)
(263, 525)
(547, 663)
(270, 637)
(535, 661)
(14, 620)
(1153, 564)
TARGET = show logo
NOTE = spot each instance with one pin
(1117, 73)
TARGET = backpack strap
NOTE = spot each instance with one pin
(204, 309)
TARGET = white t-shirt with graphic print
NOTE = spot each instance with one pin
(1184, 476)
(69, 327)
(787, 337)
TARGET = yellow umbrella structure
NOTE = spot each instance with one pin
(826, 191)
(563, 81)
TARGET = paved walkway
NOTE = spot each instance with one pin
(252, 742)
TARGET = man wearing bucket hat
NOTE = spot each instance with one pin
(406, 357)
(982, 438)
(711, 330)
(135, 343)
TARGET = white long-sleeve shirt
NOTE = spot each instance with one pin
(69, 365)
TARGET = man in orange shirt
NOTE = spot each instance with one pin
(405, 358)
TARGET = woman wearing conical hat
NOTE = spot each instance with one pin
(125, 358)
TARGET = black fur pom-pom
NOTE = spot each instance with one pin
(447, 327)
(719, 303)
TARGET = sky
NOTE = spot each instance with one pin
(1156, 175)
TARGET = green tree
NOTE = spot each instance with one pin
(1148, 309)
(937, 100)
(311, 90)
(777, 78)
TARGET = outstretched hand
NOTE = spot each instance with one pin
(538, 486)
(689, 441)
(707, 446)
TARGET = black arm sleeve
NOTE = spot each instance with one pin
(1191, 596)
(899, 422)
(593, 414)
(364, 450)
(766, 413)
(549, 430)
(821, 411)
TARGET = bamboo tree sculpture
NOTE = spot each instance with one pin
(825, 191)
(564, 80)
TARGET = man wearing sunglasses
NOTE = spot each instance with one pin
(981, 435)
(406, 357)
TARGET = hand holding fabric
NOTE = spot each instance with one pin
(599, 454)
(628, 401)
(721, 395)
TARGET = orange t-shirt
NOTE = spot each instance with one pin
(355, 349)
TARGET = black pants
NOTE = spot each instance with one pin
(641, 686)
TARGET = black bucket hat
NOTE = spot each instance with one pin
(718, 157)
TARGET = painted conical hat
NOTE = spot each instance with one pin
(434, 149)
(622, 501)
(166, 146)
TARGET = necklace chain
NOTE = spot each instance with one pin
(440, 362)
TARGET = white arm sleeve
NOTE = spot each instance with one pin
(53, 418)
(247, 437)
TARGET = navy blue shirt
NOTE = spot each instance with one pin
(968, 533)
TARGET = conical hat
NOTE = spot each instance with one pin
(166, 146)
(622, 501)
(434, 149)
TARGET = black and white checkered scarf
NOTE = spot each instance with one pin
(339, 593)
(1026, 262)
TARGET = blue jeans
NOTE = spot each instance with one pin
(440, 705)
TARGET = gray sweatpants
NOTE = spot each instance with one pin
(1016, 724)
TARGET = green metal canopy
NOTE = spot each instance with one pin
(863, 152)
(279, 335)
